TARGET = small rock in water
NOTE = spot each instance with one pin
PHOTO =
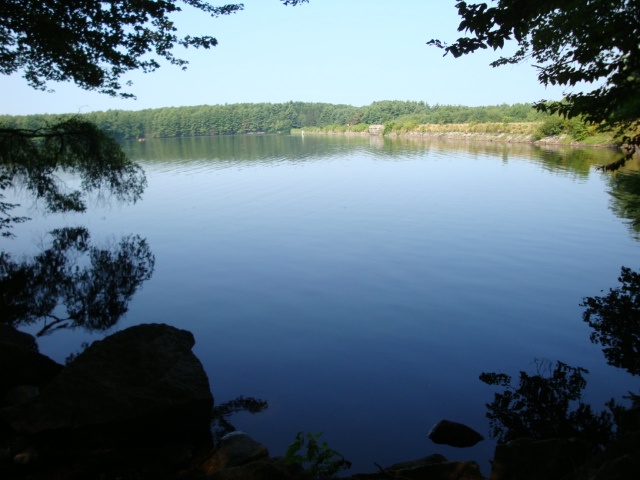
(454, 434)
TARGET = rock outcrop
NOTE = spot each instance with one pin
(20, 362)
(142, 382)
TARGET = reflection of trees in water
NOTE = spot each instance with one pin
(220, 423)
(72, 283)
(615, 319)
(547, 404)
(33, 159)
(250, 149)
(625, 190)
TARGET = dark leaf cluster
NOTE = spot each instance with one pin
(220, 422)
(546, 405)
(577, 44)
(615, 319)
(92, 43)
(72, 283)
(34, 158)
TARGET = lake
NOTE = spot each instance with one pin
(361, 285)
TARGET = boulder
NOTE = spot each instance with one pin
(13, 336)
(433, 467)
(235, 449)
(621, 468)
(428, 460)
(21, 394)
(265, 469)
(538, 459)
(454, 434)
(142, 382)
(24, 366)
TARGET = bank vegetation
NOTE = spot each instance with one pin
(517, 122)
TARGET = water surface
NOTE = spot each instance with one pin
(360, 285)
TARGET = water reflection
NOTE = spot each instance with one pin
(220, 423)
(72, 283)
(35, 160)
(344, 265)
(230, 150)
(625, 190)
(615, 319)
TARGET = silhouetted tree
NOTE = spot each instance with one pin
(573, 44)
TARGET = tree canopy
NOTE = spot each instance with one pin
(589, 46)
(91, 42)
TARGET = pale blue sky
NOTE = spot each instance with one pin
(336, 51)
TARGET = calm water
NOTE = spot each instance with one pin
(360, 285)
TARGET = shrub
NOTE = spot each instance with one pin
(318, 459)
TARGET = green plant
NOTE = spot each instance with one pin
(319, 459)
(554, 125)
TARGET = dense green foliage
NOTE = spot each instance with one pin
(278, 117)
(590, 46)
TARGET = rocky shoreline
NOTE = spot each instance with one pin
(459, 136)
(137, 405)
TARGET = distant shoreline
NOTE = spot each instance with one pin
(459, 135)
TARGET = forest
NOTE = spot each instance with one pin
(245, 118)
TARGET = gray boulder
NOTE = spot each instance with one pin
(140, 382)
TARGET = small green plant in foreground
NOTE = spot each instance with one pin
(319, 460)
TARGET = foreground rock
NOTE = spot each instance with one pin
(433, 467)
(455, 434)
(20, 362)
(541, 459)
(142, 382)
(235, 449)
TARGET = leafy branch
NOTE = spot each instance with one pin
(317, 458)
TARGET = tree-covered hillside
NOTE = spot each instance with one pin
(277, 117)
